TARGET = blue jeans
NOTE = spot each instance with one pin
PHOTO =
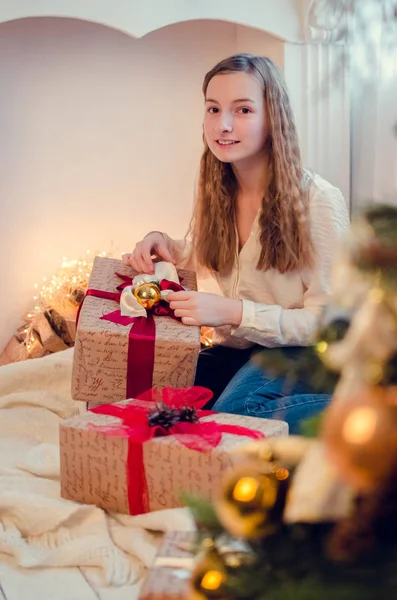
(251, 391)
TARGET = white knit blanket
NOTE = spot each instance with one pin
(37, 527)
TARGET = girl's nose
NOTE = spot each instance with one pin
(226, 123)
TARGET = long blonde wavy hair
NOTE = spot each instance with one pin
(284, 217)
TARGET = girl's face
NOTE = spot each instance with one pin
(235, 122)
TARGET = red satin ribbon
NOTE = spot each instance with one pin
(202, 437)
(141, 337)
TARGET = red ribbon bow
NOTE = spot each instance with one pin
(141, 337)
(201, 436)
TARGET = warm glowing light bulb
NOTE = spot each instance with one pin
(321, 347)
(360, 425)
(282, 474)
(212, 580)
(245, 489)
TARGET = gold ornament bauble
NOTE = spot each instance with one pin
(252, 500)
(148, 295)
(208, 578)
(360, 434)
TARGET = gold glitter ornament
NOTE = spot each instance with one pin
(148, 295)
(252, 501)
(208, 578)
(360, 435)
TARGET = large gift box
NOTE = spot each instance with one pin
(122, 457)
(118, 357)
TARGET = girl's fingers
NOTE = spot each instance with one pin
(180, 306)
(129, 259)
(146, 258)
(180, 312)
(190, 321)
(163, 252)
(141, 258)
(179, 296)
(137, 265)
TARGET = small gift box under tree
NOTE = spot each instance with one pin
(140, 455)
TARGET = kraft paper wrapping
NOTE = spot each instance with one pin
(168, 578)
(94, 464)
(101, 347)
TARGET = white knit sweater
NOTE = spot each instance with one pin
(282, 309)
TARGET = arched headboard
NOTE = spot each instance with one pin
(281, 18)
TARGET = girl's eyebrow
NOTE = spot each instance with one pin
(234, 101)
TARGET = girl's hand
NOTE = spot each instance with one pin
(154, 242)
(201, 308)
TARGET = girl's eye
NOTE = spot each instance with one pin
(244, 110)
(213, 110)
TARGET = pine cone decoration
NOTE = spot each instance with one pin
(163, 416)
(188, 414)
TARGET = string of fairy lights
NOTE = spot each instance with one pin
(62, 292)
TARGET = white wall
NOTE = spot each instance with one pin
(373, 60)
(374, 141)
(321, 101)
(100, 139)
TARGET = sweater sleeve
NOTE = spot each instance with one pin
(272, 325)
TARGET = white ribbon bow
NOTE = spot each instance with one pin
(129, 305)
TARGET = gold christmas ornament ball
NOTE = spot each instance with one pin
(252, 500)
(148, 295)
(208, 578)
(360, 434)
